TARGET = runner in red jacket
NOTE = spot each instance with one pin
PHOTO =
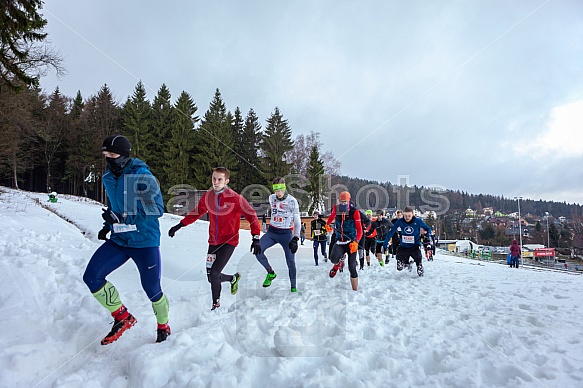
(224, 207)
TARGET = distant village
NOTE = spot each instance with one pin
(492, 232)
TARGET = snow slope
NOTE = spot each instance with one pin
(465, 324)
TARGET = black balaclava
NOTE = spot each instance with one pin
(120, 145)
(116, 165)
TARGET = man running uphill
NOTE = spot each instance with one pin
(285, 214)
(131, 220)
(348, 230)
(225, 207)
(410, 243)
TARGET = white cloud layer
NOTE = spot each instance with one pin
(450, 89)
(563, 137)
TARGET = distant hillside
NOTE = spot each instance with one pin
(447, 201)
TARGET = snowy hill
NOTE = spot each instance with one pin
(465, 324)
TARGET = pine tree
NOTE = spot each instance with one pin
(103, 119)
(181, 142)
(161, 120)
(52, 132)
(23, 56)
(106, 114)
(248, 140)
(236, 132)
(17, 153)
(137, 124)
(214, 143)
(315, 172)
(80, 149)
(276, 142)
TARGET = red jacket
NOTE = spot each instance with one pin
(225, 211)
(372, 234)
(515, 249)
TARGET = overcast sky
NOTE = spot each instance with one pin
(479, 96)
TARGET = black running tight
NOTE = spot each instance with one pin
(222, 255)
(338, 251)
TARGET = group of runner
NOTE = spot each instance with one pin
(400, 237)
(135, 205)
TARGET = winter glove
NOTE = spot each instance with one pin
(293, 244)
(353, 246)
(110, 217)
(102, 235)
(328, 228)
(174, 229)
(255, 245)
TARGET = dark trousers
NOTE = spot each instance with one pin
(393, 248)
(338, 251)
(110, 256)
(281, 237)
(322, 245)
(379, 247)
(370, 246)
(404, 254)
(332, 243)
(222, 254)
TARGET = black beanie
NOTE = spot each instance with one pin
(118, 144)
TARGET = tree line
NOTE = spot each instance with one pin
(451, 206)
(53, 142)
(458, 201)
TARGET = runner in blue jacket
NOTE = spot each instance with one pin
(134, 206)
(410, 243)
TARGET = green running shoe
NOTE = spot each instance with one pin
(293, 289)
(381, 262)
(270, 276)
(235, 283)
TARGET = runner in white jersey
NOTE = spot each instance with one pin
(285, 215)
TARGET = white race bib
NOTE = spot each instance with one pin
(316, 232)
(408, 239)
(210, 259)
(123, 228)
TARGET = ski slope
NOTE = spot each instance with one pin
(464, 324)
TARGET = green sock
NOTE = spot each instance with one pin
(108, 297)
(161, 308)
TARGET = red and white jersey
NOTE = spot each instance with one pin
(285, 213)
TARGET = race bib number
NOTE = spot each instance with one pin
(278, 219)
(123, 228)
(408, 239)
(317, 232)
(210, 259)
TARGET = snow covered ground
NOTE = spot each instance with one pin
(465, 324)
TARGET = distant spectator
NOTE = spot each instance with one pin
(303, 233)
(515, 254)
